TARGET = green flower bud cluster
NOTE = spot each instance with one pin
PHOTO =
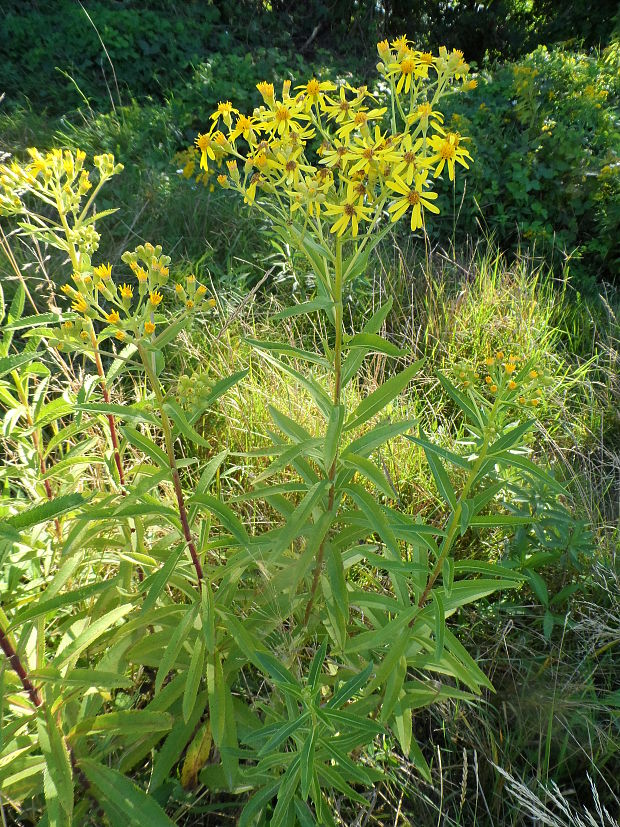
(192, 390)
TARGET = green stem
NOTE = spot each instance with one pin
(169, 442)
(337, 297)
(106, 398)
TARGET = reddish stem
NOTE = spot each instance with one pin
(14, 660)
(106, 398)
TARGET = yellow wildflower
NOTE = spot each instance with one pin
(149, 328)
(104, 271)
(347, 212)
(112, 317)
(79, 305)
(414, 198)
(155, 298)
(126, 291)
(448, 151)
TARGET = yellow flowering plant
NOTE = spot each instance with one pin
(162, 629)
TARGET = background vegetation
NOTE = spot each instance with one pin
(526, 252)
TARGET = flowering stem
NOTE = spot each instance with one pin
(176, 480)
(106, 397)
(15, 661)
(337, 296)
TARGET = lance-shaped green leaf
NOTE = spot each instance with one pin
(174, 646)
(442, 480)
(225, 515)
(299, 518)
(59, 786)
(16, 309)
(122, 800)
(303, 308)
(120, 363)
(382, 396)
(284, 349)
(451, 457)
(316, 392)
(146, 445)
(377, 436)
(393, 688)
(218, 390)
(155, 583)
(276, 670)
(355, 358)
(293, 430)
(373, 343)
(440, 623)
(193, 677)
(52, 604)
(524, 464)
(465, 404)
(169, 333)
(217, 690)
(45, 512)
(510, 438)
(378, 523)
(350, 688)
(135, 412)
(176, 414)
(124, 722)
(9, 363)
(177, 739)
(91, 634)
(373, 474)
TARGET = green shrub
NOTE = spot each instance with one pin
(547, 147)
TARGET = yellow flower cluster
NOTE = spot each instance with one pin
(507, 376)
(342, 154)
(97, 297)
(57, 178)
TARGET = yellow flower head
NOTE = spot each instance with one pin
(493, 388)
(112, 317)
(141, 274)
(189, 304)
(155, 298)
(126, 291)
(510, 367)
(533, 374)
(79, 305)
(512, 385)
(266, 90)
(149, 328)
(120, 335)
(104, 271)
